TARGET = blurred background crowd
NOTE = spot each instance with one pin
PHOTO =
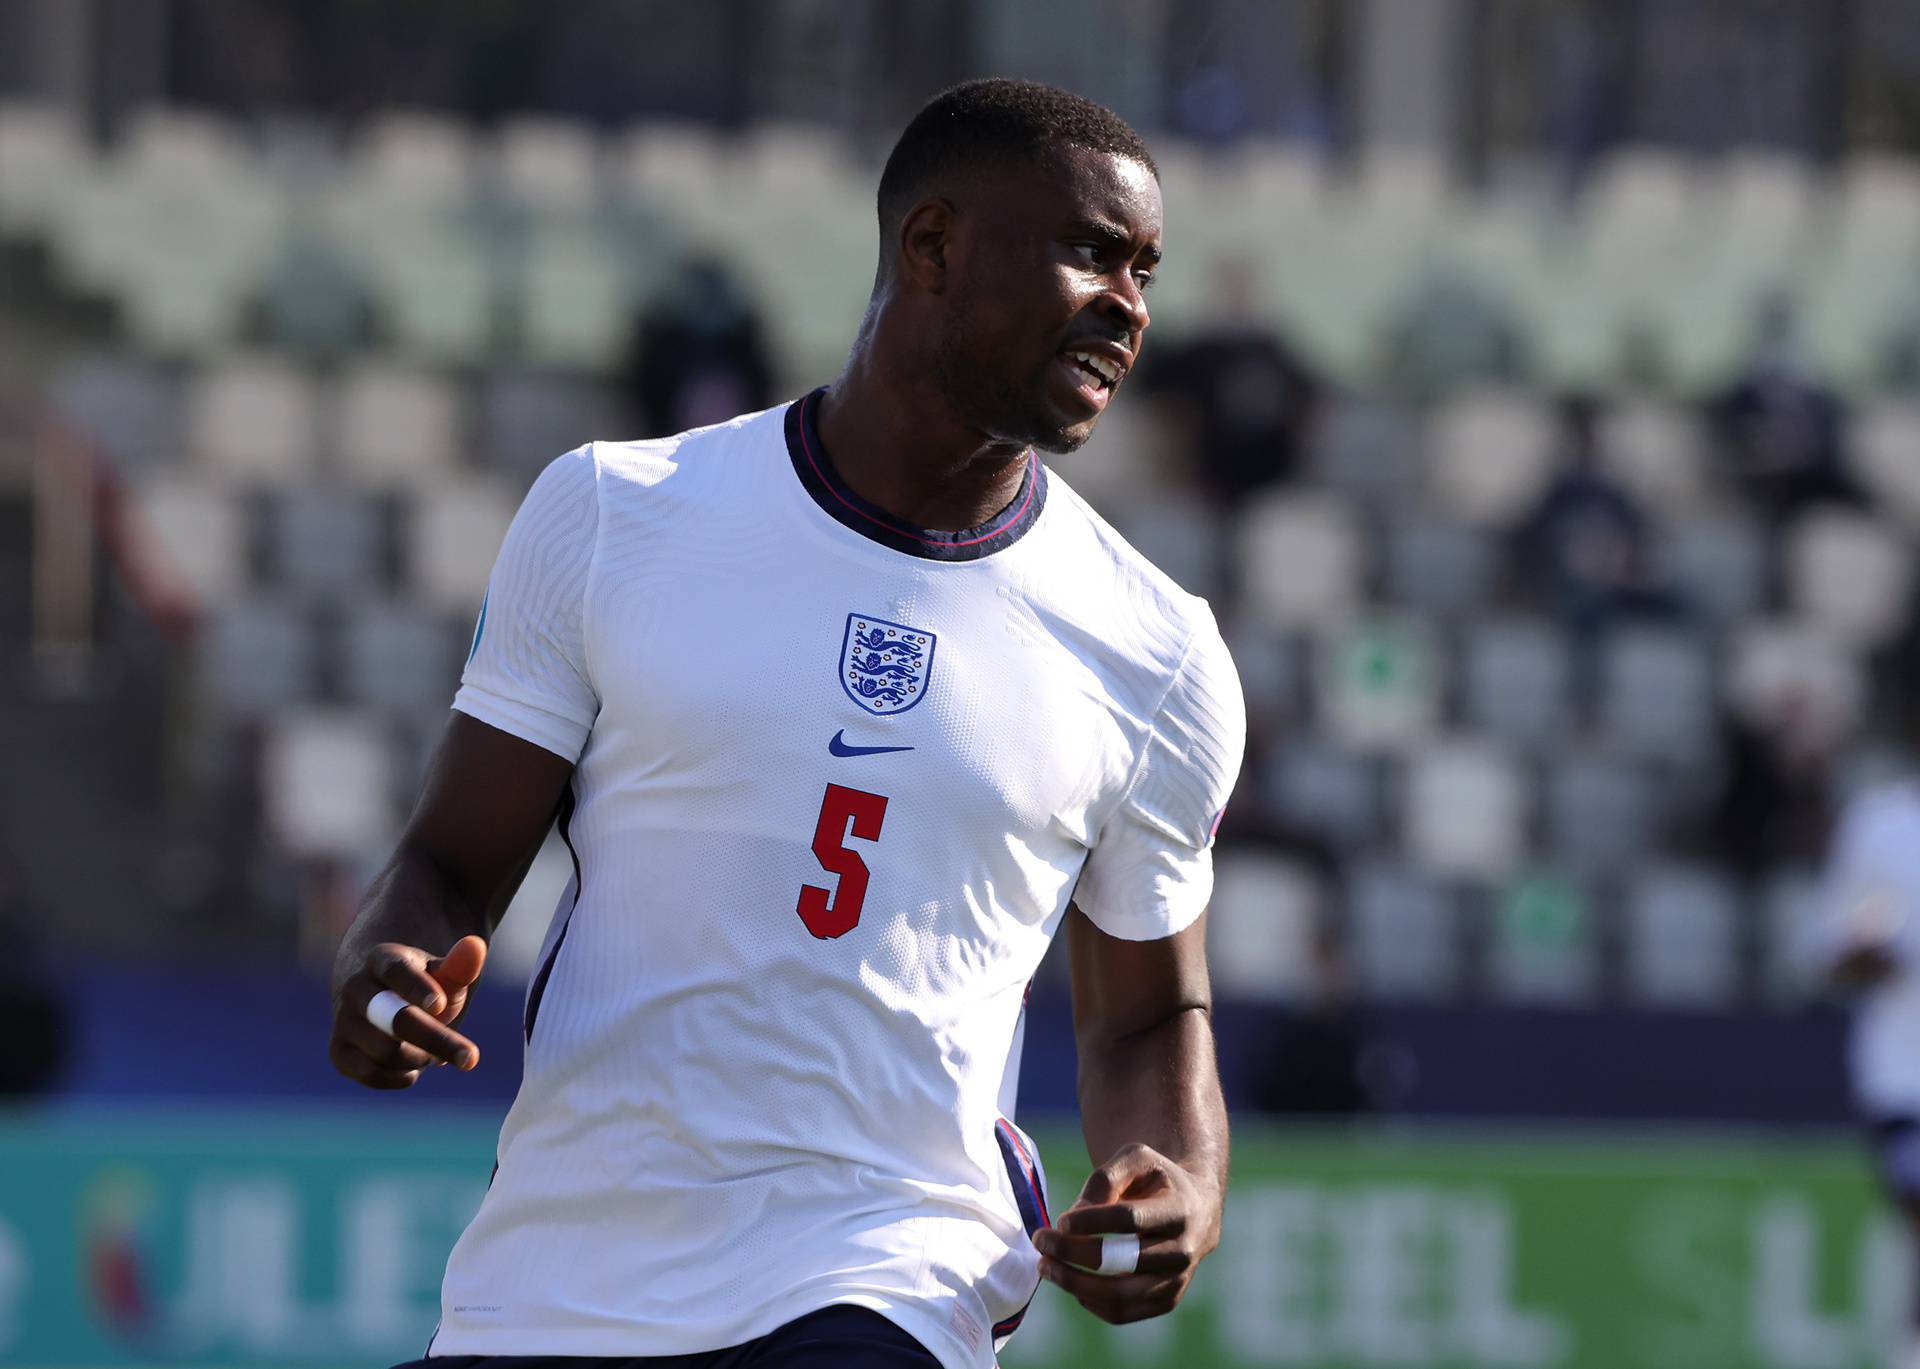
(1533, 388)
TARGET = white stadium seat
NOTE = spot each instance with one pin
(413, 156)
(1261, 928)
(1879, 204)
(253, 420)
(1490, 456)
(196, 531)
(549, 166)
(395, 425)
(327, 778)
(1886, 452)
(1851, 574)
(44, 160)
(1465, 811)
(453, 536)
(577, 297)
(1302, 561)
(1380, 684)
(1658, 451)
(1791, 674)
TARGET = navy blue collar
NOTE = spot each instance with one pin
(832, 494)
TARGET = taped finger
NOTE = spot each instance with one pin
(1119, 1255)
(383, 1007)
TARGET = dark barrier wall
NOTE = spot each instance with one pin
(242, 1030)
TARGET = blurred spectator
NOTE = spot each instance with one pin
(1779, 431)
(1586, 540)
(1776, 806)
(699, 354)
(32, 1017)
(1452, 332)
(1243, 396)
(1317, 1054)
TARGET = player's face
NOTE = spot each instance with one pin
(1047, 312)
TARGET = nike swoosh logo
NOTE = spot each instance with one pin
(839, 747)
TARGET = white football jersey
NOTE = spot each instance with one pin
(1873, 895)
(837, 779)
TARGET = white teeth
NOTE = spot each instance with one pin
(1108, 371)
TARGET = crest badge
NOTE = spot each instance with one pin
(885, 667)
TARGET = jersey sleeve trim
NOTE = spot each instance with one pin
(565, 737)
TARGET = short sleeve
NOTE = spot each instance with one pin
(1150, 873)
(1869, 897)
(527, 670)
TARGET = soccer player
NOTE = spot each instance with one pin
(844, 709)
(1871, 947)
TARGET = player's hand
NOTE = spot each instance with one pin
(436, 991)
(1139, 1191)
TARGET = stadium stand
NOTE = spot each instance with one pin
(336, 363)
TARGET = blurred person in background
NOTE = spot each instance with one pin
(32, 1016)
(1241, 396)
(1586, 540)
(773, 1036)
(699, 354)
(1779, 431)
(1869, 946)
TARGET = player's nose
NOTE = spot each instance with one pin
(1124, 304)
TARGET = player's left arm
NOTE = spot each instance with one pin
(1150, 1100)
(1154, 1118)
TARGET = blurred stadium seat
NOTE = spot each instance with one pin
(1407, 938)
(395, 425)
(254, 421)
(1464, 808)
(328, 783)
(1260, 929)
(1517, 679)
(1682, 938)
(1302, 561)
(1490, 456)
(1851, 575)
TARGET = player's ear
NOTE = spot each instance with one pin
(925, 234)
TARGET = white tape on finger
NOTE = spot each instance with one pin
(1119, 1254)
(383, 1007)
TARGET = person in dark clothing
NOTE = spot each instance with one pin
(1779, 432)
(1246, 399)
(1586, 540)
(699, 355)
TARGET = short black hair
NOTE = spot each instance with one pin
(977, 121)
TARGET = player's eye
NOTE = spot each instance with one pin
(1092, 253)
(1145, 279)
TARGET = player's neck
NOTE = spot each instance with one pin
(899, 447)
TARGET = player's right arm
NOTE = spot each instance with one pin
(526, 706)
(488, 802)
(1863, 938)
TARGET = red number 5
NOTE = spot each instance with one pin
(828, 915)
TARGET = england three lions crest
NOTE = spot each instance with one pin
(885, 667)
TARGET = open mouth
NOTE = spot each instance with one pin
(1092, 376)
